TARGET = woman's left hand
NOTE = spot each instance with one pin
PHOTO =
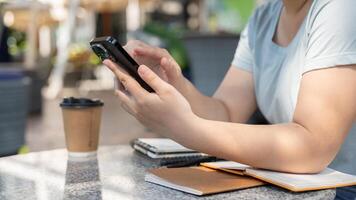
(163, 112)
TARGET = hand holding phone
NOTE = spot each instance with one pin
(109, 48)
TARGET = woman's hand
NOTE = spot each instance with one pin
(162, 64)
(164, 111)
(158, 60)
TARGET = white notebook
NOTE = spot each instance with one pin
(328, 178)
(162, 145)
(164, 148)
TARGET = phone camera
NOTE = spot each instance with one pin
(101, 52)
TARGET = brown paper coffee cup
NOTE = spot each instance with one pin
(81, 119)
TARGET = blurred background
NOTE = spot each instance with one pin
(45, 56)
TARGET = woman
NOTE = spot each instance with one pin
(296, 61)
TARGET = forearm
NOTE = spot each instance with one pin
(283, 147)
(203, 106)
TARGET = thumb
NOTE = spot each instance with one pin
(152, 79)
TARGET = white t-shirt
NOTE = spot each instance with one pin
(327, 38)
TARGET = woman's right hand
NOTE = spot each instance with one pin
(159, 60)
(162, 63)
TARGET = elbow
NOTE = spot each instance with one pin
(311, 155)
(319, 164)
(311, 165)
(317, 161)
(299, 166)
(311, 169)
(308, 163)
(306, 167)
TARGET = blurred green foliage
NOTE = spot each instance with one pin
(244, 7)
(23, 150)
(172, 38)
(17, 43)
(229, 15)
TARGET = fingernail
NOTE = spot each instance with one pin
(164, 61)
(142, 70)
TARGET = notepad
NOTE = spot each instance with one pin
(199, 180)
(326, 179)
(163, 145)
(163, 148)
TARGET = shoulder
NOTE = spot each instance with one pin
(336, 12)
(330, 38)
(320, 5)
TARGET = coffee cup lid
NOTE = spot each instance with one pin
(72, 102)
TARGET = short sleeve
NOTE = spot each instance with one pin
(331, 39)
(243, 58)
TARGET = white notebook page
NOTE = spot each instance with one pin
(325, 179)
(164, 145)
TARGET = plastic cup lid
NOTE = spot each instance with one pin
(72, 102)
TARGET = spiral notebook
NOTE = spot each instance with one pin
(164, 148)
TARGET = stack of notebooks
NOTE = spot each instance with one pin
(222, 176)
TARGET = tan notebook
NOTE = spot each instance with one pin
(199, 180)
(328, 178)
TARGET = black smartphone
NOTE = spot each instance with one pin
(109, 48)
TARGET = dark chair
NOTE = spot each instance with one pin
(14, 92)
(210, 57)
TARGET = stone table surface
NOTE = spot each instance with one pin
(116, 173)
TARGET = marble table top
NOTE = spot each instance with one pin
(116, 173)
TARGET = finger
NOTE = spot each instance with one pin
(119, 86)
(124, 98)
(152, 52)
(127, 109)
(152, 79)
(126, 103)
(115, 69)
(130, 84)
(123, 90)
(112, 66)
(170, 68)
(132, 44)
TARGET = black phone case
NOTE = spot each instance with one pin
(118, 55)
